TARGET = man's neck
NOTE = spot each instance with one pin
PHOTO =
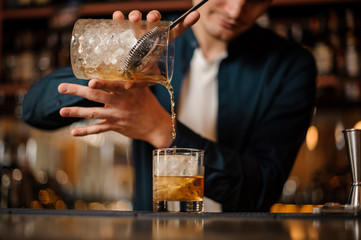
(212, 48)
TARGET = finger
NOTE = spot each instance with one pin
(85, 92)
(116, 86)
(154, 16)
(80, 112)
(135, 16)
(93, 129)
(128, 85)
(187, 22)
(142, 84)
(118, 15)
(111, 86)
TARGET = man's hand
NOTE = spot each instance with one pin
(129, 108)
(155, 15)
(134, 112)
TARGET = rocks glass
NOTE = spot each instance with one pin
(178, 180)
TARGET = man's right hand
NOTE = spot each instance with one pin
(155, 15)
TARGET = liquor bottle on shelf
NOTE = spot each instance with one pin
(65, 15)
(10, 4)
(335, 36)
(46, 61)
(322, 50)
(63, 51)
(352, 61)
(10, 57)
(25, 3)
(16, 180)
(20, 58)
(325, 49)
(27, 58)
(26, 180)
(41, 2)
(9, 176)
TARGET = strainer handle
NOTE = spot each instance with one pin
(186, 13)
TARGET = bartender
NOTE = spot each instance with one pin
(243, 94)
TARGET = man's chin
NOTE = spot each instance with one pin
(226, 36)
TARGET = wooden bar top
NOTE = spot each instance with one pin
(84, 224)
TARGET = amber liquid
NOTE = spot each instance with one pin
(178, 188)
(178, 193)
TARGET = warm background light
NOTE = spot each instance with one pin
(357, 125)
(312, 138)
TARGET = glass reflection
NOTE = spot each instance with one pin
(177, 228)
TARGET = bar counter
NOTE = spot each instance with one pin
(87, 224)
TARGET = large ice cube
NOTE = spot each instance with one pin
(107, 43)
(175, 165)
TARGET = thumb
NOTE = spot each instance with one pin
(187, 22)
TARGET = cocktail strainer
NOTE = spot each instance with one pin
(146, 50)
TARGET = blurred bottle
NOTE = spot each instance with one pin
(64, 52)
(17, 181)
(337, 46)
(352, 60)
(41, 2)
(325, 50)
(46, 61)
(10, 175)
(322, 49)
(10, 4)
(21, 59)
(10, 57)
(24, 3)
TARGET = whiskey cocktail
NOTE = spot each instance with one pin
(178, 180)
